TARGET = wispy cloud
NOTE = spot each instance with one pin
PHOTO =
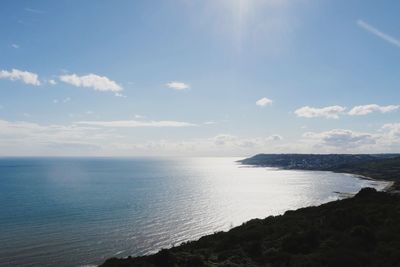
(366, 109)
(52, 82)
(96, 82)
(263, 102)
(22, 137)
(25, 76)
(137, 124)
(30, 138)
(15, 46)
(386, 37)
(65, 100)
(34, 10)
(228, 140)
(331, 112)
(179, 86)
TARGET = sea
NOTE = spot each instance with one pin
(80, 211)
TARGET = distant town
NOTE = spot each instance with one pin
(313, 161)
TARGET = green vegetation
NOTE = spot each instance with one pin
(360, 231)
(383, 169)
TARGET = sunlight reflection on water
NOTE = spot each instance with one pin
(70, 212)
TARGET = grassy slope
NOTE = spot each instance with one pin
(361, 231)
(387, 169)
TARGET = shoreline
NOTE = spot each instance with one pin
(390, 187)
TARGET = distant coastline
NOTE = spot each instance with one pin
(379, 167)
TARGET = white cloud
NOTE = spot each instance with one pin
(391, 133)
(263, 102)
(65, 100)
(331, 112)
(28, 138)
(96, 82)
(232, 141)
(275, 137)
(52, 82)
(179, 86)
(137, 124)
(340, 138)
(384, 140)
(15, 46)
(392, 127)
(390, 39)
(333, 141)
(25, 76)
(366, 109)
(224, 139)
(33, 10)
(120, 95)
(222, 144)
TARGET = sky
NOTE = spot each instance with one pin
(199, 77)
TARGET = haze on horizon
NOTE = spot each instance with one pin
(199, 77)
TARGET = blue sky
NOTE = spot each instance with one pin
(201, 78)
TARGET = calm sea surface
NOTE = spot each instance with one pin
(78, 212)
